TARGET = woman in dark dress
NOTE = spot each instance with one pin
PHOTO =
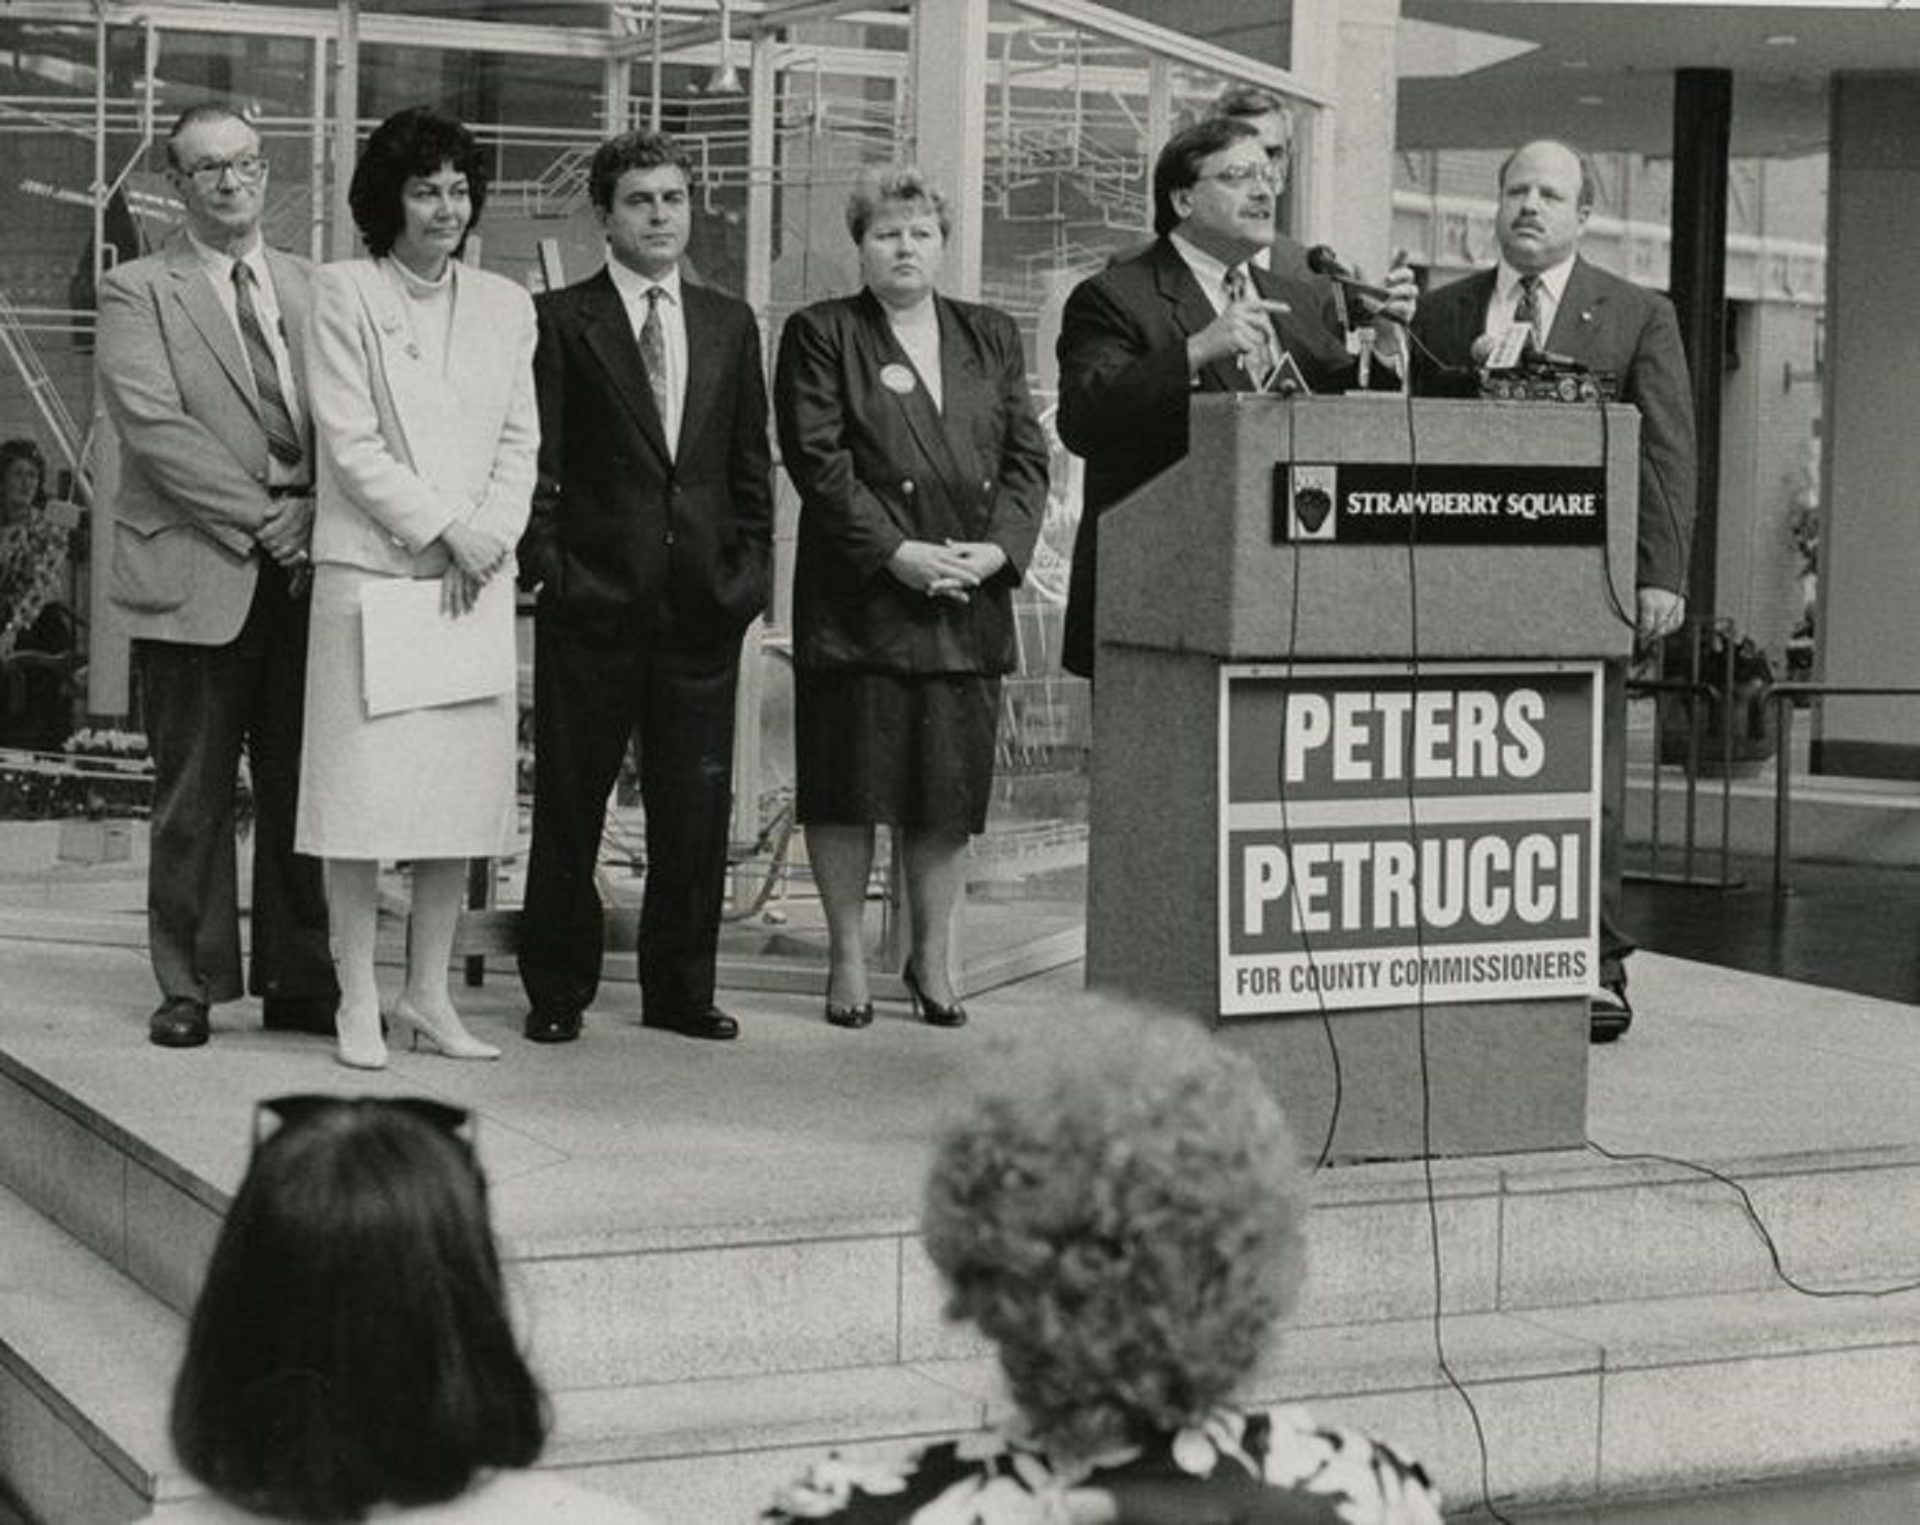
(906, 427)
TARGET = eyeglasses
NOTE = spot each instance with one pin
(248, 169)
(277, 1112)
(1239, 176)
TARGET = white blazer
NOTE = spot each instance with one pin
(404, 449)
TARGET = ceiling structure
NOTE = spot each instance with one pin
(1603, 73)
(1491, 73)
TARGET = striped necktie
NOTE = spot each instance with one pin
(1527, 308)
(283, 437)
(1238, 288)
(653, 353)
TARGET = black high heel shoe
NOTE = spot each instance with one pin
(850, 1016)
(925, 1007)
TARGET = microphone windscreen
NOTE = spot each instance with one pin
(1321, 260)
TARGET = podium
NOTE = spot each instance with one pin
(1346, 760)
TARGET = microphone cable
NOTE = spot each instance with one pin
(1752, 1212)
(1286, 844)
(1435, 1255)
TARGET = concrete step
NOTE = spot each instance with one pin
(86, 1364)
(624, 1303)
(1609, 1399)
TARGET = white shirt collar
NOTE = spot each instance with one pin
(1553, 280)
(219, 263)
(1209, 271)
(633, 286)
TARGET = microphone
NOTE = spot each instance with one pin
(1484, 354)
(1321, 260)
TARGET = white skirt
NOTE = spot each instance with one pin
(424, 783)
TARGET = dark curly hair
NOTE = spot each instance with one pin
(416, 141)
(1124, 1223)
(639, 149)
(351, 1345)
(1178, 166)
(25, 450)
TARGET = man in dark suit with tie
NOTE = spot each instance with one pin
(200, 366)
(1192, 312)
(650, 544)
(1613, 326)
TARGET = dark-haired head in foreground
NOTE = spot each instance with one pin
(351, 1346)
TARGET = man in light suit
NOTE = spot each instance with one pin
(200, 365)
(650, 543)
(1192, 312)
(1613, 326)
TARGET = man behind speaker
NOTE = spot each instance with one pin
(1607, 324)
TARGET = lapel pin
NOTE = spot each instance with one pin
(896, 378)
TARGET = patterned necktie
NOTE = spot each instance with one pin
(653, 351)
(1256, 365)
(283, 438)
(1527, 309)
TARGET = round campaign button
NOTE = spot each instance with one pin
(896, 378)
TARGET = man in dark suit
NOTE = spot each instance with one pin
(649, 541)
(1192, 312)
(1609, 325)
(200, 366)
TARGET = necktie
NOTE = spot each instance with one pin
(653, 352)
(1527, 309)
(1257, 364)
(283, 438)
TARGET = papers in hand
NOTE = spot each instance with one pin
(416, 657)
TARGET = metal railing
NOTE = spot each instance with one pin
(1783, 695)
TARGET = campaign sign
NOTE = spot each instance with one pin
(1390, 837)
(1400, 502)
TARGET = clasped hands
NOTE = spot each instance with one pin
(477, 556)
(285, 535)
(950, 569)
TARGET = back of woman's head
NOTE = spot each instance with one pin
(1124, 1220)
(351, 1345)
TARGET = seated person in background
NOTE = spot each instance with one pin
(36, 629)
(1125, 1223)
(350, 1353)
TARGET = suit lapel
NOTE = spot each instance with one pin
(1578, 321)
(608, 334)
(202, 306)
(705, 363)
(963, 392)
(416, 385)
(292, 290)
(1190, 311)
(915, 405)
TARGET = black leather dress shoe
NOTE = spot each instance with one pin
(552, 1024)
(299, 1013)
(178, 1022)
(713, 1023)
(1610, 1013)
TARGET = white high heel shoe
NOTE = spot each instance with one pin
(357, 1040)
(445, 1033)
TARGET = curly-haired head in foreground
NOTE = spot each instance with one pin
(1125, 1223)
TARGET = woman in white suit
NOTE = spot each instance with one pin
(424, 412)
